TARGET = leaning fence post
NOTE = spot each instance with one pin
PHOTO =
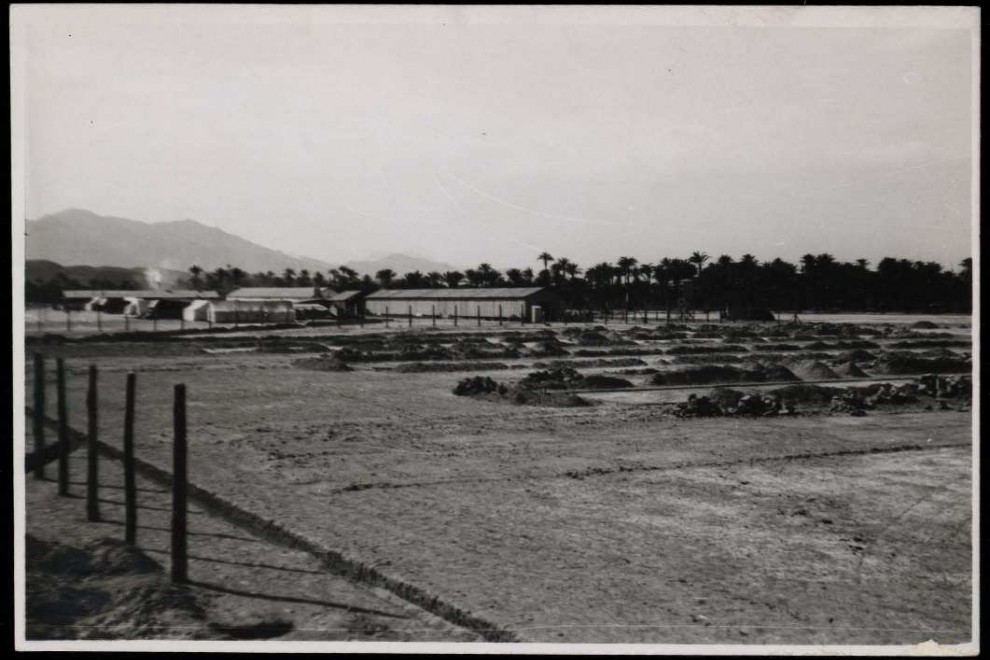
(92, 464)
(179, 560)
(63, 429)
(130, 484)
(39, 416)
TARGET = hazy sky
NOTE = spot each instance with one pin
(469, 142)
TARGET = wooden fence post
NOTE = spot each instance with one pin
(99, 320)
(179, 456)
(63, 430)
(500, 315)
(479, 315)
(130, 483)
(68, 319)
(433, 315)
(127, 323)
(410, 316)
(92, 458)
(386, 316)
(455, 316)
(39, 415)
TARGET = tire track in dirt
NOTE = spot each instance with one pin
(605, 471)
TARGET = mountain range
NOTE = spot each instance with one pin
(81, 237)
(77, 236)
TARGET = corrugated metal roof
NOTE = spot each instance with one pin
(508, 293)
(344, 295)
(163, 294)
(277, 292)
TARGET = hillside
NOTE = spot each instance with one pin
(77, 236)
(400, 263)
(42, 270)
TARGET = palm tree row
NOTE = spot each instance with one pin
(817, 282)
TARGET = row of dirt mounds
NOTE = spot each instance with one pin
(105, 590)
(908, 363)
(443, 367)
(712, 374)
(325, 362)
(486, 388)
(929, 392)
(592, 363)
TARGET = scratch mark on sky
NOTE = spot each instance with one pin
(509, 204)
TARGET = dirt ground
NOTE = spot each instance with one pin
(612, 523)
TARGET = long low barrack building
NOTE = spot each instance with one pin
(532, 304)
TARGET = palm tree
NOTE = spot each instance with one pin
(453, 278)
(546, 258)
(698, 258)
(289, 275)
(473, 277)
(435, 279)
(196, 271)
(385, 276)
(572, 270)
(349, 276)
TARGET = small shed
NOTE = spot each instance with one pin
(197, 310)
(348, 303)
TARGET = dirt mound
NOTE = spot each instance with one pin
(776, 373)
(527, 397)
(104, 590)
(547, 347)
(705, 375)
(715, 358)
(598, 381)
(732, 403)
(849, 370)
(812, 370)
(849, 403)
(946, 386)
(924, 325)
(478, 385)
(777, 347)
(595, 362)
(443, 367)
(807, 394)
(907, 363)
(325, 362)
(706, 348)
(555, 378)
(856, 355)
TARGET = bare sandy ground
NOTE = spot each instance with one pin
(613, 523)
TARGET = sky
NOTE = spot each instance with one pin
(451, 135)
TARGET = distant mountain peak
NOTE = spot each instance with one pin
(399, 263)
